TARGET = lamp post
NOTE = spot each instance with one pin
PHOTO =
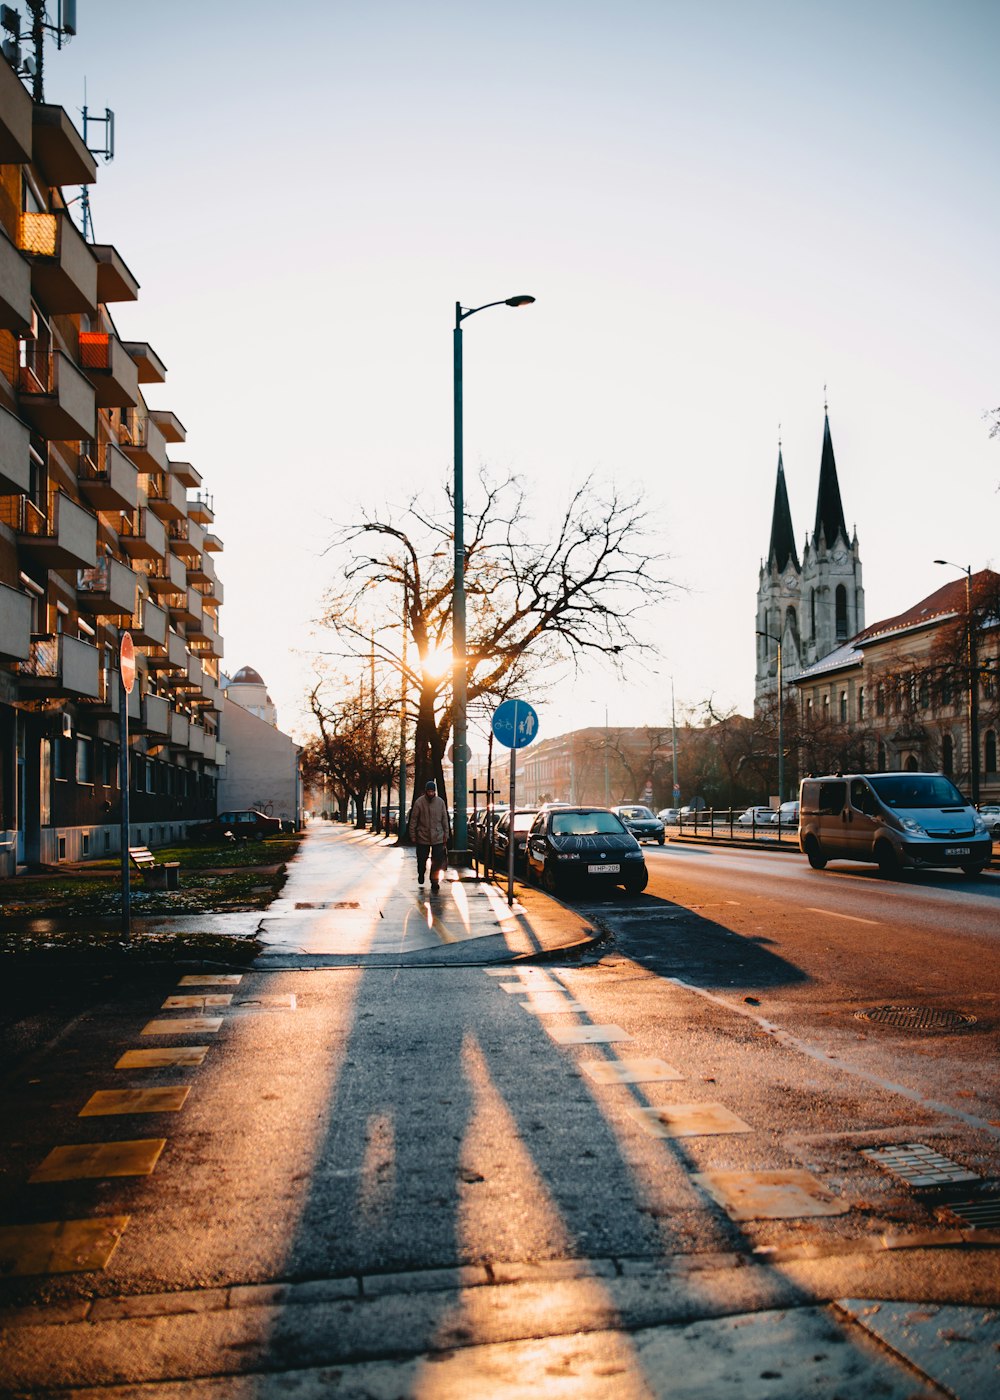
(781, 728)
(460, 668)
(401, 825)
(973, 696)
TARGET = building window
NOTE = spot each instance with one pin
(61, 765)
(988, 686)
(924, 693)
(947, 755)
(946, 693)
(809, 709)
(841, 613)
(86, 843)
(812, 613)
(84, 761)
(861, 702)
(826, 707)
(880, 757)
(843, 707)
(991, 751)
(880, 699)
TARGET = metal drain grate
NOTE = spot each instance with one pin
(981, 1215)
(917, 1018)
(917, 1164)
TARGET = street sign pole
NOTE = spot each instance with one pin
(126, 680)
(510, 834)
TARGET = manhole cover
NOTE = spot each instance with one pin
(916, 1018)
(918, 1164)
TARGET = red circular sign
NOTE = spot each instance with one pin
(127, 662)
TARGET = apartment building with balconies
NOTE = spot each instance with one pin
(101, 532)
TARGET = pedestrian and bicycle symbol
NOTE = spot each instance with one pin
(515, 723)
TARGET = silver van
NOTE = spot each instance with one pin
(896, 820)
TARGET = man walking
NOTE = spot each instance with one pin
(430, 829)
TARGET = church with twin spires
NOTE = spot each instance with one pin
(813, 606)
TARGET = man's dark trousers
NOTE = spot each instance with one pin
(439, 859)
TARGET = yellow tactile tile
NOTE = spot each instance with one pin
(770, 1195)
(630, 1071)
(161, 1059)
(217, 979)
(100, 1159)
(689, 1120)
(184, 1025)
(197, 1002)
(59, 1246)
(166, 1099)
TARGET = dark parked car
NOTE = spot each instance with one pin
(584, 845)
(641, 822)
(523, 818)
(246, 825)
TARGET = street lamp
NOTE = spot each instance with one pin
(966, 569)
(460, 672)
(781, 731)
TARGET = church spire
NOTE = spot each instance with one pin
(829, 510)
(782, 546)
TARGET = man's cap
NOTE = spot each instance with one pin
(430, 785)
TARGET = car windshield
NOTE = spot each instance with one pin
(586, 824)
(636, 814)
(916, 790)
(523, 820)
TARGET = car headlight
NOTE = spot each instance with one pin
(633, 855)
(914, 828)
(980, 826)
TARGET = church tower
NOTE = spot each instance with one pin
(815, 606)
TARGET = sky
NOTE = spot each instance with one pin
(726, 211)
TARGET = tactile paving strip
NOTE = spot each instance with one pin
(917, 1164)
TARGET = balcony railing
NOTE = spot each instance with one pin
(143, 441)
(111, 371)
(107, 478)
(142, 534)
(64, 270)
(63, 536)
(62, 665)
(108, 588)
(56, 398)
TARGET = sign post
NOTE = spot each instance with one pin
(515, 723)
(126, 680)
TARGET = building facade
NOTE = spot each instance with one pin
(813, 606)
(102, 532)
(262, 763)
(897, 696)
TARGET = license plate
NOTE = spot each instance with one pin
(603, 869)
(957, 851)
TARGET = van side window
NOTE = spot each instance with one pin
(831, 799)
(862, 799)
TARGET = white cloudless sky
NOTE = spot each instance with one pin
(720, 206)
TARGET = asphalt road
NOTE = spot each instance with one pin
(379, 1162)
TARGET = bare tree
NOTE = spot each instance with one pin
(534, 597)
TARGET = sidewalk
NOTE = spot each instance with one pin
(352, 898)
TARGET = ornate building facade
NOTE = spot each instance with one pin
(814, 606)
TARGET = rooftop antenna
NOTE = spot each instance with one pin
(32, 66)
(105, 153)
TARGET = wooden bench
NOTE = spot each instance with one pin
(156, 875)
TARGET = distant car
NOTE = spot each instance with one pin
(246, 825)
(692, 814)
(641, 822)
(755, 816)
(670, 816)
(482, 831)
(787, 815)
(584, 845)
(523, 818)
(990, 813)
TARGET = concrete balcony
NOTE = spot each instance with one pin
(186, 610)
(166, 496)
(15, 119)
(114, 281)
(15, 456)
(212, 543)
(54, 397)
(210, 745)
(180, 730)
(196, 671)
(107, 479)
(169, 424)
(186, 473)
(60, 665)
(63, 269)
(167, 577)
(64, 538)
(142, 442)
(108, 701)
(111, 370)
(201, 508)
(187, 540)
(151, 368)
(142, 535)
(196, 738)
(107, 589)
(58, 149)
(212, 692)
(171, 659)
(15, 288)
(156, 714)
(149, 624)
(15, 624)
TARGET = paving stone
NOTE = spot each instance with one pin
(160, 1304)
(59, 1246)
(587, 1035)
(191, 1001)
(650, 1071)
(107, 1102)
(546, 1270)
(218, 979)
(769, 1195)
(168, 1056)
(424, 1281)
(958, 1347)
(184, 1025)
(689, 1120)
(84, 1160)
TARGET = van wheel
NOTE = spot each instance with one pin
(976, 868)
(888, 861)
(814, 855)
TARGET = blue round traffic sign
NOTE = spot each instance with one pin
(515, 723)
